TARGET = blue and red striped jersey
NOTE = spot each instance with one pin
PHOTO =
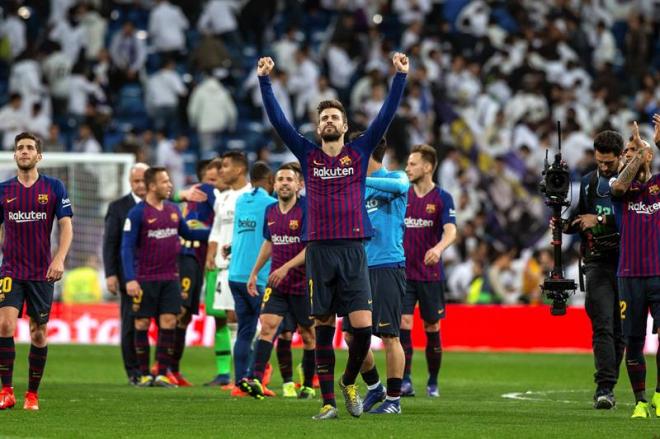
(425, 219)
(335, 185)
(638, 216)
(28, 214)
(199, 216)
(150, 243)
(285, 232)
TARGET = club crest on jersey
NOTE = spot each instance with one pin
(175, 217)
(294, 224)
(430, 208)
(42, 198)
(345, 161)
(654, 189)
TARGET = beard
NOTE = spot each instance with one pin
(28, 167)
(330, 136)
(285, 197)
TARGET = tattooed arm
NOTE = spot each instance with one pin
(627, 175)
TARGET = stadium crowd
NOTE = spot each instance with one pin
(175, 81)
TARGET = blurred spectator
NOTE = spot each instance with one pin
(604, 46)
(56, 68)
(164, 88)
(80, 91)
(537, 267)
(219, 19)
(25, 78)
(285, 49)
(14, 29)
(95, 27)
(13, 120)
(128, 53)
(169, 154)
(86, 143)
(53, 141)
(211, 111)
(39, 122)
(70, 33)
(210, 54)
(167, 27)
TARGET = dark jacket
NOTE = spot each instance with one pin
(114, 226)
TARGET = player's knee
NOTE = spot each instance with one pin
(328, 320)
(142, 324)
(7, 328)
(286, 335)
(390, 341)
(431, 327)
(38, 335)
(406, 321)
(308, 337)
(167, 321)
(348, 337)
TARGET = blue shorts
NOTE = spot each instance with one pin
(37, 294)
(639, 296)
(156, 298)
(431, 298)
(191, 275)
(337, 277)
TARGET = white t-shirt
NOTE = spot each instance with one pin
(223, 223)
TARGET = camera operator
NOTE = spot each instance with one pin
(594, 220)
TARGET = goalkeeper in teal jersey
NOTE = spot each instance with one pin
(386, 198)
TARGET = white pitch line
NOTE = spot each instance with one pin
(541, 396)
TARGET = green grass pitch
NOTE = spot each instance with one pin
(84, 394)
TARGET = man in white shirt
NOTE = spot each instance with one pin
(14, 29)
(233, 173)
(167, 27)
(13, 120)
(164, 88)
(56, 69)
(128, 54)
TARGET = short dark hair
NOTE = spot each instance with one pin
(291, 166)
(608, 141)
(201, 168)
(260, 171)
(428, 154)
(26, 135)
(151, 173)
(332, 103)
(238, 158)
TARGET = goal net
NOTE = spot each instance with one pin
(92, 182)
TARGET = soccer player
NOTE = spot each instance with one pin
(636, 197)
(386, 199)
(192, 259)
(336, 225)
(246, 241)
(149, 250)
(287, 287)
(430, 229)
(114, 276)
(233, 175)
(29, 205)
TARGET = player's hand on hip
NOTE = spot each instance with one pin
(265, 65)
(432, 257)
(112, 283)
(133, 288)
(55, 270)
(400, 61)
(252, 286)
(277, 276)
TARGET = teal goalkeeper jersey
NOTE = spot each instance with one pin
(386, 198)
(248, 236)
